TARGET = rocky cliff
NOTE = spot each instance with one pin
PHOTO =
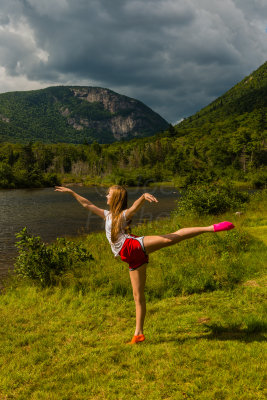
(75, 114)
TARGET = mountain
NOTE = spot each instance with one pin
(244, 105)
(224, 141)
(75, 114)
(231, 132)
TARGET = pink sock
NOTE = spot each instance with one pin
(223, 226)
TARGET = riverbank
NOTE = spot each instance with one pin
(204, 341)
(106, 180)
(51, 214)
(178, 182)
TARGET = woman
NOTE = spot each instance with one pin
(132, 249)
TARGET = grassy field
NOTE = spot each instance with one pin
(205, 328)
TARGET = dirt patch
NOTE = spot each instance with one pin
(251, 284)
(203, 320)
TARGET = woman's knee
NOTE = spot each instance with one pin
(170, 239)
(139, 297)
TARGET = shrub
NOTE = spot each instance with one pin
(44, 264)
(51, 179)
(259, 180)
(210, 199)
(6, 175)
(196, 177)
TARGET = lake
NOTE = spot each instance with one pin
(51, 214)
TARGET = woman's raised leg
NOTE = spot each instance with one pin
(153, 243)
(138, 280)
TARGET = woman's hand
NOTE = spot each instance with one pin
(83, 201)
(150, 198)
(62, 189)
(138, 203)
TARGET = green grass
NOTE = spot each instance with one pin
(59, 344)
(205, 328)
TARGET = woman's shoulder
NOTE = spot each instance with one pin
(124, 214)
(108, 213)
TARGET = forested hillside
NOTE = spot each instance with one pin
(74, 114)
(226, 140)
(232, 129)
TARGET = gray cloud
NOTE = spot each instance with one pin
(175, 56)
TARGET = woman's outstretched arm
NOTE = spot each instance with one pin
(82, 200)
(138, 204)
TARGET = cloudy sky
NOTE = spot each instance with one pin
(174, 55)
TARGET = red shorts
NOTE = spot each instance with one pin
(133, 253)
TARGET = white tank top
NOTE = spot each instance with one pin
(115, 247)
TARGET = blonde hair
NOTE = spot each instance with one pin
(118, 203)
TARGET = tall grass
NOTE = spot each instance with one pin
(206, 263)
(205, 329)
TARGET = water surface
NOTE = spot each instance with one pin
(53, 214)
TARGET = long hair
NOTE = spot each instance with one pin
(118, 203)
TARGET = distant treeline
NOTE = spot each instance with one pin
(190, 158)
(225, 140)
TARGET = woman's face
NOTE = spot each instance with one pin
(108, 196)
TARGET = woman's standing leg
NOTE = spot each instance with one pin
(138, 280)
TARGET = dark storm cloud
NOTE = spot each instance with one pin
(173, 55)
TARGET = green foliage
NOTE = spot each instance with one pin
(26, 166)
(136, 163)
(211, 199)
(225, 140)
(6, 175)
(138, 177)
(44, 264)
(259, 179)
(63, 114)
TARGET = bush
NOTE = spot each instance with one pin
(199, 177)
(44, 264)
(51, 179)
(259, 180)
(6, 175)
(210, 199)
(138, 176)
